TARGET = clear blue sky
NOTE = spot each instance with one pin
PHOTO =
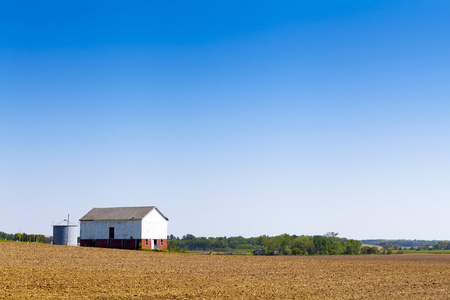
(233, 117)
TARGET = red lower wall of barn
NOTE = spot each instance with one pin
(130, 244)
(111, 243)
(157, 244)
(125, 244)
(85, 243)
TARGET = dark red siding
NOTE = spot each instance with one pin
(103, 243)
(110, 243)
(85, 243)
(130, 244)
(125, 244)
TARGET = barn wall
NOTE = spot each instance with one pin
(154, 243)
(154, 226)
(111, 243)
(100, 229)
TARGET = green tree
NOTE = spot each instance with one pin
(296, 251)
(369, 250)
(352, 247)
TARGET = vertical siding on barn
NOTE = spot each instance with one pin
(100, 229)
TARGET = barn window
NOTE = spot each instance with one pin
(146, 242)
(111, 232)
(162, 242)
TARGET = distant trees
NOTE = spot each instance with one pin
(36, 238)
(405, 243)
(7, 237)
(352, 247)
(305, 244)
(285, 244)
(410, 244)
(386, 245)
(296, 251)
(369, 250)
(190, 242)
(23, 237)
(443, 245)
(264, 245)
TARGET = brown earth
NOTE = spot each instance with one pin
(49, 271)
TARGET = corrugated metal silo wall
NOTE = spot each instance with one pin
(60, 235)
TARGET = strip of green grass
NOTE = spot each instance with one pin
(231, 252)
(164, 250)
(426, 251)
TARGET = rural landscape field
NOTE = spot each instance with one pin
(48, 271)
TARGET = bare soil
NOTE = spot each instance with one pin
(50, 271)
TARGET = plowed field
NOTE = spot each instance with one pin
(49, 271)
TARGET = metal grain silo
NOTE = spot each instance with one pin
(65, 233)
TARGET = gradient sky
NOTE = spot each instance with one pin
(232, 117)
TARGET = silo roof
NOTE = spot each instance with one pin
(119, 213)
(65, 223)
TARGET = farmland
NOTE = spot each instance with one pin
(49, 271)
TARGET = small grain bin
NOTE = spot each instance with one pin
(65, 233)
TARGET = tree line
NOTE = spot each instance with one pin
(410, 244)
(191, 243)
(285, 244)
(404, 243)
(23, 237)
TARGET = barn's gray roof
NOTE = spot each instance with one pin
(119, 213)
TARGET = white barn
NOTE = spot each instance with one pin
(124, 227)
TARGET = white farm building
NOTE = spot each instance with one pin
(124, 227)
